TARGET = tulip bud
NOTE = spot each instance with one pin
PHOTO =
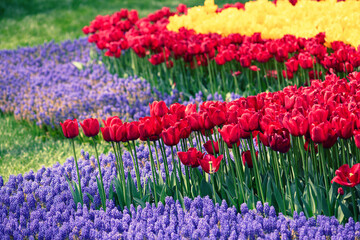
(70, 128)
(91, 127)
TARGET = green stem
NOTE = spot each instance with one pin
(101, 178)
(153, 171)
(77, 170)
(136, 166)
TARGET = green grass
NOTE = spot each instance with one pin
(24, 147)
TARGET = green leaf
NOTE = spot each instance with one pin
(90, 197)
(269, 190)
(343, 212)
(278, 197)
(205, 189)
(139, 202)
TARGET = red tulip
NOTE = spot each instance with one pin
(230, 133)
(158, 109)
(132, 130)
(264, 139)
(305, 60)
(297, 125)
(196, 122)
(246, 158)
(292, 65)
(190, 108)
(70, 128)
(178, 110)
(343, 126)
(249, 121)
(184, 128)
(317, 116)
(254, 68)
(171, 136)
(210, 164)
(209, 147)
(150, 128)
(279, 140)
(118, 133)
(346, 176)
(112, 120)
(191, 157)
(91, 127)
(319, 132)
(341, 191)
(106, 134)
(168, 120)
(357, 138)
(181, 8)
(208, 123)
(217, 115)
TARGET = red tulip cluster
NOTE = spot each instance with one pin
(149, 37)
(323, 112)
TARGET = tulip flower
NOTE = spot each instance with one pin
(210, 164)
(111, 121)
(91, 127)
(246, 158)
(346, 176)
(217, 115)
(209, 147)
(191, 157)
(132, 131)
(279, 140)
(297, 125)
(341, 191)
(171, 136)
(178, 110)
(158, 109)
(70, 128)
(184, 128)
(150, 128)
(118, 133)
(106, 133)
(230, 133)
(249, 121)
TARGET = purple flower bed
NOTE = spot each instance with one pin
(52, 82)
(40, 206)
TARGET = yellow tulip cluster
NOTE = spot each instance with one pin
(339, 20)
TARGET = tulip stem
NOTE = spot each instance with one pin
(77, 170)
(257, 173)
(136, 166)
(101, 178)
(174, 171)
(213, 186)
(234, 179)
(165, 163)
(117, 162)
(121, 167)
(153, 171)
(355, 206)
(157, 160)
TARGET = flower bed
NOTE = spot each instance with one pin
(52, 82)
(273, 147)
(212, 62)
(39, 206)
